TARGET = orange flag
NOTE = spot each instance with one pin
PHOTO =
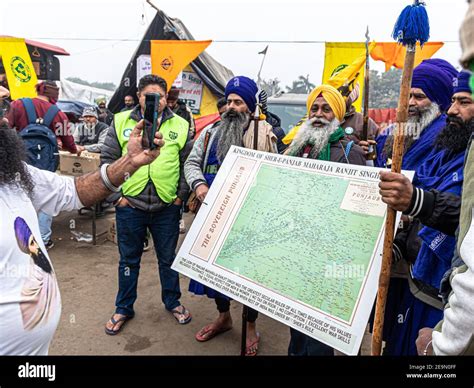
(169, 57)
(393, 54)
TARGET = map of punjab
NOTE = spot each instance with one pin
(316, 255)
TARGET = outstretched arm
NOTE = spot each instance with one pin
(91, 188)
(53, 194)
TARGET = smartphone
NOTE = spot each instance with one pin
(152, 103)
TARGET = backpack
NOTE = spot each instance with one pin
(40, 141)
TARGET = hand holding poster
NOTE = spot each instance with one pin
(296, 239)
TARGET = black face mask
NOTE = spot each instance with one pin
(455, 136)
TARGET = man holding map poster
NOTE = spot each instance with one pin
(321, 137)
(200, 170)
(298, 239)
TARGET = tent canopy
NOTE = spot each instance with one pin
(212, 73)
(83, 93)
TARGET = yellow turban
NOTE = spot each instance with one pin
(332, 97)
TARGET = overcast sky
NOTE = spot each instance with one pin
(65, 23)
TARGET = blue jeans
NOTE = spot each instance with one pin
(132, 225)
(303, 345)
(45, 221)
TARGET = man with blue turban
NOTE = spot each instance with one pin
(27, 244)
(200, 169)
(451, 214)
(426, 249)
(430, 98)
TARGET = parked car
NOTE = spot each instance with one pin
(289, 107)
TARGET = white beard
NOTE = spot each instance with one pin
(317, 137)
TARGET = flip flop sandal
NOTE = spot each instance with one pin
(252, 349)
(201, 337)
(182, 314)
(123, 319)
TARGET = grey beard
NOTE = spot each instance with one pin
(414, 129)
(231, 132)
(316, 137)
(418, 124)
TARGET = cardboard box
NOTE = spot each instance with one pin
(70, 164)
(112, 232)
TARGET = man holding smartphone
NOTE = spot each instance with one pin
(150, 199)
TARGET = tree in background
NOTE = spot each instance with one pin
(384, 88)
(271, 86)
(301, 86)
(101, 85)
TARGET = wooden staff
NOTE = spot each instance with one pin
(397, 157)
(412, 26)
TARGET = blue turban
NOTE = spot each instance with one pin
(23, 233)
(435, 82)
(245, 88)
(443, 64)
(461, 84)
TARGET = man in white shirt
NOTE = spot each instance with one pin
(30, 303)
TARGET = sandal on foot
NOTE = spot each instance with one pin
(252, 348)
(123, 319)
(207, 332)
(181, 314)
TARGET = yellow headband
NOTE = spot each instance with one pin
(332, 97)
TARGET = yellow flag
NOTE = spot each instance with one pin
(350, 72)
(20, 73)
(169, 57)
(344, 63)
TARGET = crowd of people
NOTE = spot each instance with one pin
(430, 308)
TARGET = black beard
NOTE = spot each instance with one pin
(231, 132)
(42, 261)
(13, 171)
(455, 136)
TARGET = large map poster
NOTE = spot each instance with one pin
(299, 240)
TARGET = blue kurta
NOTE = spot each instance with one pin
(194, 286)
(418, 151)
(406, 315)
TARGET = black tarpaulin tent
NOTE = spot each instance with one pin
(212, 73)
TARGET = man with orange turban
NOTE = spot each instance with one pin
(321, 135)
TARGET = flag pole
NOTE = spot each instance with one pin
(365, 127)
(264, 52)
(412, 26)
(245, 309)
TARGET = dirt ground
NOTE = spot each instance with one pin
(87, 277)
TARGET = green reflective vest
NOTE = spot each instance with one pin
(164, 171)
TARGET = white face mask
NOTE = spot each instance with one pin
(89, 126)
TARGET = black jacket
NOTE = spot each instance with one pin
(275, 122)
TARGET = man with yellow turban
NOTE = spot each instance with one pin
(321, 135)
